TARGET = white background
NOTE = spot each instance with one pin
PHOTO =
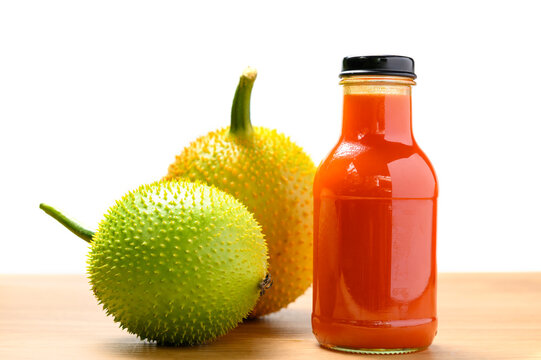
(97, 97)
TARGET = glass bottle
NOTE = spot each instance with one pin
(375, 219)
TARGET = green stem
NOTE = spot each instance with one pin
(70, 224)
(240, 112)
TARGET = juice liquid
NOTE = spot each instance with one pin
(375, 232)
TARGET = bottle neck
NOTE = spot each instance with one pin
(377, 107)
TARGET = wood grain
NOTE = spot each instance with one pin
(482, 316)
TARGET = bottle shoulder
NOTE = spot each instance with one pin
(376, 169)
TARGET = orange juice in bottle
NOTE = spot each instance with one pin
(375, 219)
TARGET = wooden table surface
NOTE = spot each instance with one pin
(481, 316)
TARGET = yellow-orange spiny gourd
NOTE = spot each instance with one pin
(273, 177)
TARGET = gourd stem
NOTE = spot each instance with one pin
(265, 284)
(241, 124)
(70, 224)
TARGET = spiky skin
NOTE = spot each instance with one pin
(273, 177)
(177, 262)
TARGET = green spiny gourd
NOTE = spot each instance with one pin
(178, 263)
(273, 177)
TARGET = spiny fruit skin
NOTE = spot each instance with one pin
(177, 262)
(273, 177)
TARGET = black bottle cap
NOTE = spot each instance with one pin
(378, 65)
